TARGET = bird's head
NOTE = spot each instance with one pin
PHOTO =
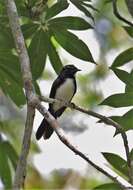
(69, 70)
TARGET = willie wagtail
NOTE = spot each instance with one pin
(63, 88)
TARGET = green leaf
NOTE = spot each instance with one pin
(119, 100)
(6, 39)
(11, 153)
(129, 87)
(124, 76)
(54, 57)
(38, 52)
(123, 58)
(10, 77)
(73, 45)
(34, 148)
(32, 3)
(108, 186)
(21, 8)
(85, 0)
(129, 30)
(131, 154)
(90, 6)
(108, 1)
(82, 8)
(10, 63)
(125, 120)
(37, 88)
(56, 9)
(3, 20)
(117, 162)
(29, 29)
(5, 172)
(70, 22)
(12, 88)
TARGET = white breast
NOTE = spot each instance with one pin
(64, 93)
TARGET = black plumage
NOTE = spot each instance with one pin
(63, 88)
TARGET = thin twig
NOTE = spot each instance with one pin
(117, 14)
(105, 120)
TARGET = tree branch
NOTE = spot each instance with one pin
(105, 120)
(117, 14)
(29, 90)
(20, 46)
(22, 163)
(34, 102)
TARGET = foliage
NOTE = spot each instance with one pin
(117, 162)
(59, 179)
(108, 186)
(44, 32)
(8, 155)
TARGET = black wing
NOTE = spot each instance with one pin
(56, 85)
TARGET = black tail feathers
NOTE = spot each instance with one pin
(44, 130)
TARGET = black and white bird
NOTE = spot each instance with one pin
(63, 88)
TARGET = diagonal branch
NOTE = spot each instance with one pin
(54, 124)
(105, 120)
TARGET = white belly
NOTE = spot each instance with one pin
(64, 93)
